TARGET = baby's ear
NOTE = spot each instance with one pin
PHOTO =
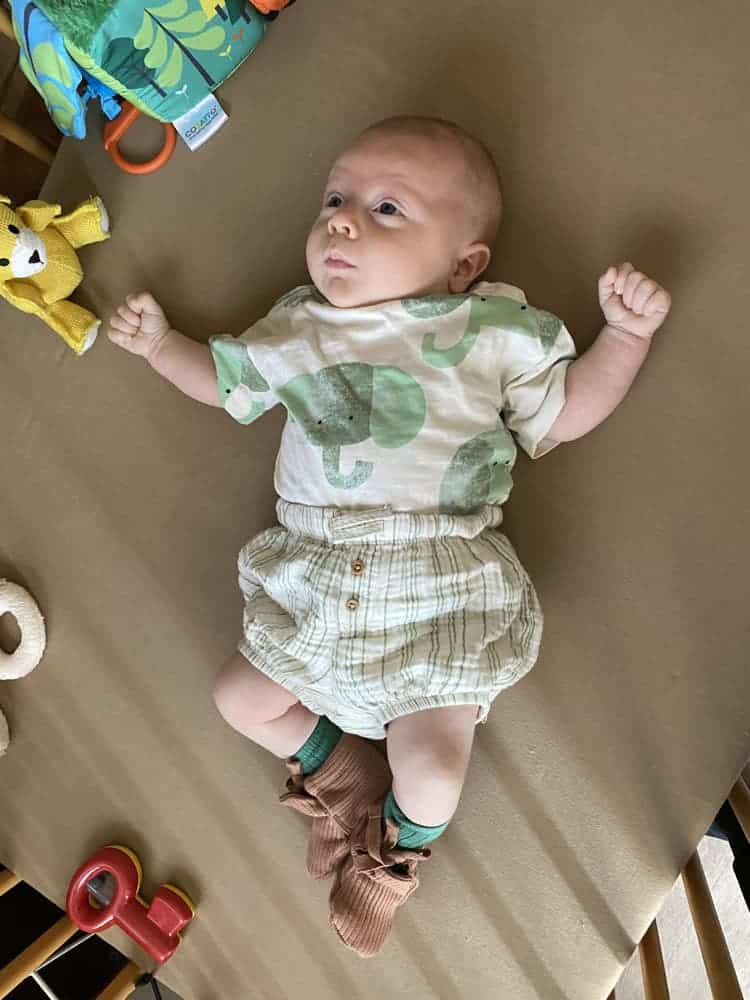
(473, 261)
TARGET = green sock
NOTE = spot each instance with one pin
(410, 835)
(321, 741)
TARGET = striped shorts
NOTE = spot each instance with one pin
(369, 615)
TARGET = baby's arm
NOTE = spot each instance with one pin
(634, 307)
(140, 326)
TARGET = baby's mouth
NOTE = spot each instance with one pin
(337, 261)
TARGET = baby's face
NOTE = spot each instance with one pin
(395, 218)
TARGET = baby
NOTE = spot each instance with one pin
(387, 603)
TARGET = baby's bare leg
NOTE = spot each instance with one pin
(429, 753)
(261, 709)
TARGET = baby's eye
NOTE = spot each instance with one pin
(388, 208)
(334, 201)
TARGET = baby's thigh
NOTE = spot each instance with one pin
(435, 740)
(242, 691)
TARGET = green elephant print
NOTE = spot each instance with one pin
(304, 293)
(479, 472)
(549, 327)
(238, 379)
(484, 310)
(350, 403)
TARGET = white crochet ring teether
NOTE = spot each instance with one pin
(19, 603)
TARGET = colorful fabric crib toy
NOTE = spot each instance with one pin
(163, 58)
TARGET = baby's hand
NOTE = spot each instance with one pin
(632, 302)
(139, 325)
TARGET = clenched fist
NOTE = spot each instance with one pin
(633, 302)
(139, 325)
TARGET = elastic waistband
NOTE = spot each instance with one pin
(382, 524)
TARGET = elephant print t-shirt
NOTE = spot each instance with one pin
(415, 403)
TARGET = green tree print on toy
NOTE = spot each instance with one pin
(238, 379)
(350, 403)
(484, 310)
(479, 472)
(231, 10)
(130, 66)
(169, 33)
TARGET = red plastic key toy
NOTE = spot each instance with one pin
(155, 927)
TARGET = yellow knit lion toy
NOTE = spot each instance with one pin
(39, 267)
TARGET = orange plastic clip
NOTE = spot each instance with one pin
(116, 129)
(270, 6)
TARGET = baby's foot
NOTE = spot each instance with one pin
(375, 878)
(354, 773)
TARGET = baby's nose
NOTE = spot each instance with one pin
(342, 224)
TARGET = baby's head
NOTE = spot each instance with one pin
(410, 209)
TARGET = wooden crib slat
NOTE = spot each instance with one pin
(652, 966)
(37, 952)
(123, 984)
(7, 881)
(716, 958)
(739, 800)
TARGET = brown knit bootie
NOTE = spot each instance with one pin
(375, 878)
(355, 772)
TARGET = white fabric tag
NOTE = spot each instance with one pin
(198, 125)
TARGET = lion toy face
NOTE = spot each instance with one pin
(22, 251)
